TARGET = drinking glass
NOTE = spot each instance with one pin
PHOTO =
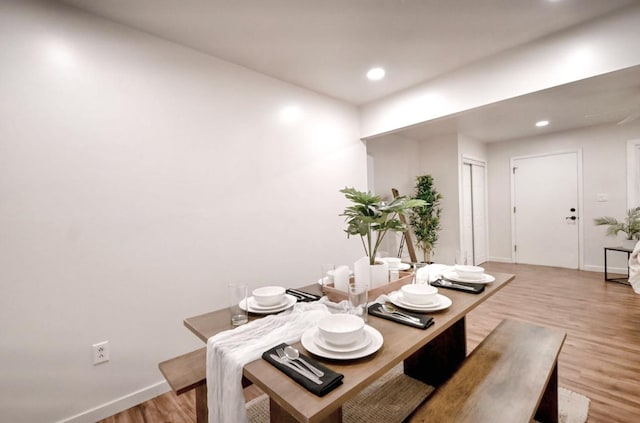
(358, 293)
(421, 273)
(238, 294)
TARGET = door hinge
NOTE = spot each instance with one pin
(514, 209)
(514, 170)
(515, 248)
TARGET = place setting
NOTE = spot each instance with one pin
(421, 298)
(268, 300)
(468, 274)
(342, 337)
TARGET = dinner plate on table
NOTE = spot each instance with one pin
(452, 275)
(442, 302)
(254, 307)
(371, 345)
(363, 341)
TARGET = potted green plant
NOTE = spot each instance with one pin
(371, 218)
(425, 220)
(630, 226)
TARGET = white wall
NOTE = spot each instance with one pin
(604, 169)
(598, 47)
(138, 178)
(396, 163)
(399, 160)
(472, 148)
(439, 157)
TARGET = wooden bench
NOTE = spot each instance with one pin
(187, 372)
(510, 377)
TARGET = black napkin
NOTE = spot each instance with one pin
(471, 288)
(425, 321)
(330, 380)
(301, 296)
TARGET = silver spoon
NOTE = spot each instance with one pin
(293, 354)
(391, 309)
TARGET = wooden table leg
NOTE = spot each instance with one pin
(548, 409)
(278, 414)
(202, 410)
(439, 359)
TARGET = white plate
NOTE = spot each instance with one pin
(401, 266)
(253, 308)
(308, 342)
(254, 305)
(444, 302)
(453, 275)
(403, 302)
(364, 341)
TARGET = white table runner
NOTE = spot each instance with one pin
(229, 351)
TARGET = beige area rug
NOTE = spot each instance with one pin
(572, 407)
(390, 399)
(394, 396)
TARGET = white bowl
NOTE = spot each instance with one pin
(469, 272)
(419, 293)
(341, 329)
(269, 295)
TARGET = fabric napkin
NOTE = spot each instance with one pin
(471, 288)
(330, 380)
(302, 296)
(425, 321)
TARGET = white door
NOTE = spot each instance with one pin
(474, 238)
(479, 217)
(545, 210)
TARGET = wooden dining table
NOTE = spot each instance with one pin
(430, 355)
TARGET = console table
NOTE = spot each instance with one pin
(606, 274)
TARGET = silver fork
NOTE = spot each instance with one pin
(392, 310)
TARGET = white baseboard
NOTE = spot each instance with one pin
(120, 404)
(501, 259)
(590, 268)
(600, 269)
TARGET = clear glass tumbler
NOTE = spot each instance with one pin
(358, 299)
(238, 307)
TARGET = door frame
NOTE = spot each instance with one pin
(578, 152)
(467, 159)
(633, 155)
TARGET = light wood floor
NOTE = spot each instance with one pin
(600, 357)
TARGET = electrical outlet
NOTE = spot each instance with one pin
(100, 352)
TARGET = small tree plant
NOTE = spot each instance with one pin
(630, 226)
(425, 220)
(371, 218)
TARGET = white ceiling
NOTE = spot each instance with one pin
(610, 98)
(328, 45)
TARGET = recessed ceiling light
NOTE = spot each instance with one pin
(542, 123)
(375, 74)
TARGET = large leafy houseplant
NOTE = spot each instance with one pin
(425, 220)
(630, 225)
(371, 218)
